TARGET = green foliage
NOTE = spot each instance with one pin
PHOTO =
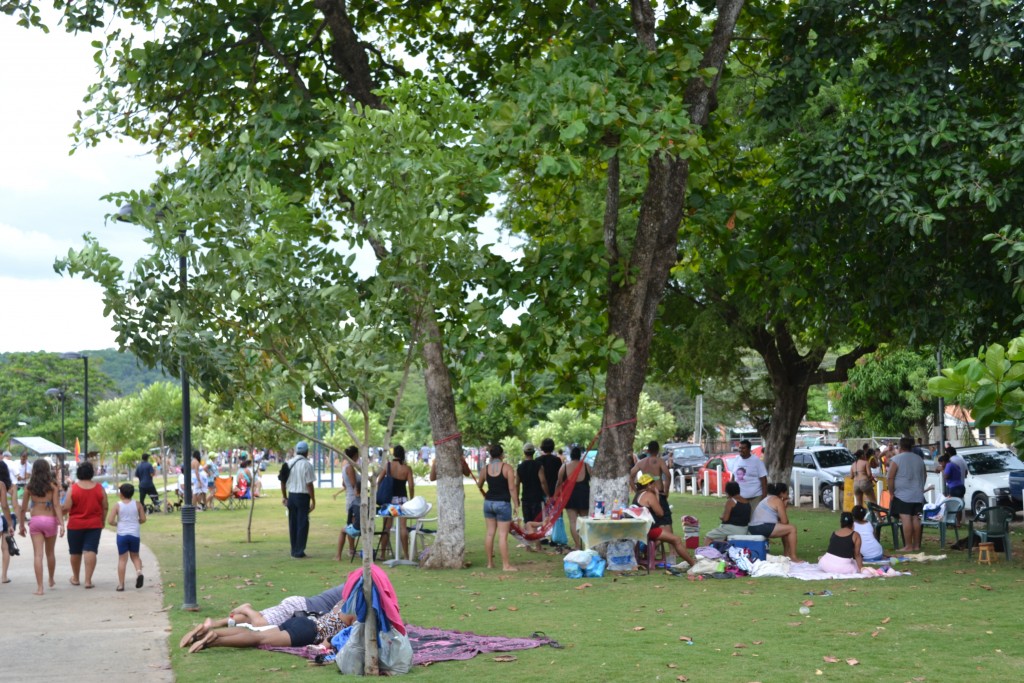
(991, 385)
(24, 380)
(567, 426)
(886, 394)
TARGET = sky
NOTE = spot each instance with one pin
(49, 199)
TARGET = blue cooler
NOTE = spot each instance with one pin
(757, 545)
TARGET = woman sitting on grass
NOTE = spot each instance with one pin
(647, 496)
(843, 555)
(870, 549)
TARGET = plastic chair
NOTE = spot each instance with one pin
(880, 517)
(950, 515)
(419, 535)
(996, 519)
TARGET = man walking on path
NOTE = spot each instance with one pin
(144, 472)
(906, 479)
(299, 497)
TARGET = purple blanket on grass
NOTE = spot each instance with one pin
(430, 645)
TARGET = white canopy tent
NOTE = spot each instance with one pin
(39, 445)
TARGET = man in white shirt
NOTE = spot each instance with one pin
(300, 498)
(23, 471)
(750, 473)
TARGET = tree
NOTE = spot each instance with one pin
(886, 394)
(26, 410)
(159, 406)
(121, 428)
(857, 149)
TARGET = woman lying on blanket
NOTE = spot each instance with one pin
(843, 556)
(647, 496)
(297, 630)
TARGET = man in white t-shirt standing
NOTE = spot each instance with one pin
(750, 473)
(300, 498)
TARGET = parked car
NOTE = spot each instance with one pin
(685, 460)
(988, 481)
(829, 464)
(726, 462)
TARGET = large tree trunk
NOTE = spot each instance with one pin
(780, 436)
(448, 551)
(633, 300)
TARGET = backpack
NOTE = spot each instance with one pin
(282, 476)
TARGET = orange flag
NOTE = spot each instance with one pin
(78, 449)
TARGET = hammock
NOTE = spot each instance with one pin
(551, 512)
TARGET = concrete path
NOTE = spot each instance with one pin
(84, 635)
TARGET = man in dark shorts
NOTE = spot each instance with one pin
(530, 493)
(144, 471)
(549, 464)
(906, 479)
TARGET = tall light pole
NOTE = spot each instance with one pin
(188, 510)
(61, 396)
(85, 360)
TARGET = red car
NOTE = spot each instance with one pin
(711, 467)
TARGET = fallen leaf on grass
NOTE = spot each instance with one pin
(808, 603)
(886, 620)
(660, 611)
(505, 658)
(830, 659)
(686, 639)
(737, 654)
(817, 672)
(981, 585)
(795, 623)
(492, 608)
(513, 609)
(852, 662)
(682, 678)
(584, 585)
(672, 666)
(739, 646)
(758, 642)
(638, 628)
(874, 634)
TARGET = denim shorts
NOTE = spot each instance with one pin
(500, 510)
(128, 544)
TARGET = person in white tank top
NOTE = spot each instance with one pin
(128, 516)
(870, 548)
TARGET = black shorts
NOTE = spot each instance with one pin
(352, 519)
(532, 509)
(902, 507)
(83, 540)
(301, 630)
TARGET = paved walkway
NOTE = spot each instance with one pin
(84, 635)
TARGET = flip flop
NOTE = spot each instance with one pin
(7, 580)
(202, 643)
(119, 589)
(138, 581)
(190, 637)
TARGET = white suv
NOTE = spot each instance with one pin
(829, 464)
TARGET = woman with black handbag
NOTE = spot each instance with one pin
(396, 478)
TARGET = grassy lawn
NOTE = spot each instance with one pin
(951, 620)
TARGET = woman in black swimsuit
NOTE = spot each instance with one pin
(579, 500)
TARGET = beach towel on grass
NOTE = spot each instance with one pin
(430, 645)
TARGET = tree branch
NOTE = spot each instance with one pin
(699, 93)
(282, 60)
(841, 371)
(643, 24)
(348, 53)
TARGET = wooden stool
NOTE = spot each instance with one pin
(985, 553)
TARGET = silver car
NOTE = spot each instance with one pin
(830, 465)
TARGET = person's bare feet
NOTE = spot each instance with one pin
(53, 584)
(198, 631)
(73, 581)
(39, 592)
(203, 642)
(510, 568)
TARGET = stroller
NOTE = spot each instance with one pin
(155, 504)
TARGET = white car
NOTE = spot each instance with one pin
(830, 465)
(988, 480)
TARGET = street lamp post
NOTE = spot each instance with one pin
(85, 359)
(188, 510)
(61, 396)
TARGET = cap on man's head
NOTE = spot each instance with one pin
(529, 448)
(302, 448)
(644, 479)
(7, 454)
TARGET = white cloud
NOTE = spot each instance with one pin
(53, 315)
